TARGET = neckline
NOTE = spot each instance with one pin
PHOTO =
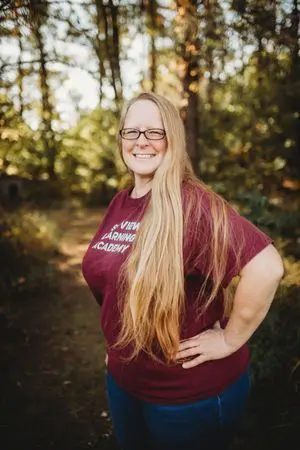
(135, 201)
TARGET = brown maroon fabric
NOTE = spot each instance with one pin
(157, 382)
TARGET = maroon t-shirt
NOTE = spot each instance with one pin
(159, 382)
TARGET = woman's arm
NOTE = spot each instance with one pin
(254, 294)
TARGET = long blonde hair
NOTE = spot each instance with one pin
(151, 288)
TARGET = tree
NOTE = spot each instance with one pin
(33, 16)
(107, 20)
(187, 22)
(47, 110)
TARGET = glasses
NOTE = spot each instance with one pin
(152, 134)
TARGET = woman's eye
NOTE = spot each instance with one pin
(131, 133)
(155, 133)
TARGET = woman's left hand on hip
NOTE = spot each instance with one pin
(206, 346)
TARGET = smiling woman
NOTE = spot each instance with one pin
(168, 247)
(143, 144)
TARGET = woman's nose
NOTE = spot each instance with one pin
(141, 140)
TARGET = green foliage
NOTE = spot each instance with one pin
(89, 156)
(272, 217)
(18, 146)
(27, 242)
(275, 345)
(248, 132)
(250, 116)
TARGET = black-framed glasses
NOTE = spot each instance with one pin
(153, 134)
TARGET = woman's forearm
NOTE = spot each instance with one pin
(254, 294)
(251, 303)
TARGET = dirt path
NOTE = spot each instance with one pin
(53, 394)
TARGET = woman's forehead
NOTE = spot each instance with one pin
(144, 113)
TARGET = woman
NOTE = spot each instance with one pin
(159, 265)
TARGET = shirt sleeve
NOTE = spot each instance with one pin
(97, 296)
(245, 242)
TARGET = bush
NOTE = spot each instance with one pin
(27, 240)
(275, 345)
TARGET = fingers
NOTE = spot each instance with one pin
(188, 343)
(195, 362)
(194, 340)
(182, 354)
(206, 346)
(203, 347)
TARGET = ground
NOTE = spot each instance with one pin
(53, 394)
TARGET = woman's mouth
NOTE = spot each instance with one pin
(143, 155)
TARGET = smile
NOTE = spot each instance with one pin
(143, 155)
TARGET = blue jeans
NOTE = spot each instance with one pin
(202, 425)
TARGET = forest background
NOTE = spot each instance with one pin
(232, 67)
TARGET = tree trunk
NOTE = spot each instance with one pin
(116, 47)
(47, 108)
(294, 77)
(99, 50)
(152, 10)
(20, 76)
(212, 40)
(109, 14)
(189, 54)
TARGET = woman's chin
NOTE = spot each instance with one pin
(146, 173)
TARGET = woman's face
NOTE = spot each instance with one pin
(143, 156)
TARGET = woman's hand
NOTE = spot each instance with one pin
(206, 346)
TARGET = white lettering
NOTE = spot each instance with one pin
(124, 224)
(115, 236)
(111, 248)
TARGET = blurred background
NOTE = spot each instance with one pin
(66, 69)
